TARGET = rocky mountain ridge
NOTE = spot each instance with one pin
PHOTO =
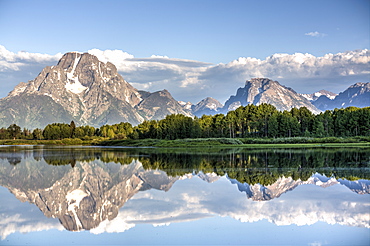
(91, 92)
(86, 90)
(357, 95)
(262, 90)
(208, 106)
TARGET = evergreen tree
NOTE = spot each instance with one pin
(73, 127)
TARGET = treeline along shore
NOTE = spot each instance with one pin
(242, 125)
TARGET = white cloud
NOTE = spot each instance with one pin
(315, 34)
(194, 199)
(189, 80)
(22, 217)
(6, 55)
(302, 72)
(158, 56)
(14, 61)
(317, 243)
(116, 57)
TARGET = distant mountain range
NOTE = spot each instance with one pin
(90, 92)
(263, 90)
(357, 95)
(314, 96)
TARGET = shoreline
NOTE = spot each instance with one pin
(203, 142)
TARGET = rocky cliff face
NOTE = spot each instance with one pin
(208, 106)
(314, 96)
(357, 95)
(262, 90)
(83, 89)
(157, 105)
(32, 111)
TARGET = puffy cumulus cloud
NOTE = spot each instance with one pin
(189, 80)
(158, 56)
(14, 61)
(194, 80)
(300, 65)
(179, 76)
(16, 216)
(115, 225)
(116, 57)
(191, 198)
(21, 67)
(300, 71)
(18, 223)
(315, 34)
(318, 243)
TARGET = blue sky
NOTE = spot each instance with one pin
(216, 31)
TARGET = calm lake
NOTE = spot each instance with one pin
(150, 196)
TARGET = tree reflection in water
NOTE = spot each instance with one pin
(84, 187)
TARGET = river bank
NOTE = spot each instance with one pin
(297, 142)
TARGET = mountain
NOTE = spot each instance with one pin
(91, 92)
(86, 90)
(314, 96)
(357, 95)
(157, 105)
(258, 192)
(208, 106)
(263, 90)
(186, 105)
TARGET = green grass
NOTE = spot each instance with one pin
(196, 142)
(66, 141)
(307, 145)
(301, 140)
(298, 142)
(227, 142)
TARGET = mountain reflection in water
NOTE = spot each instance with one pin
(112, 190)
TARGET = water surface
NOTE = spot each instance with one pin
(136, 196)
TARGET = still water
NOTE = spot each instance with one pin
(147, 196)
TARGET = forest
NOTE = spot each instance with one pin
(251, 121)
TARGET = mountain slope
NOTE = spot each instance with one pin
(263, 90)
(208, 106)
(83, 89)
(357, 95)
(157, 105)
(33, 111)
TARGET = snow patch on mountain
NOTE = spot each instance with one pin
(75, 87)
(314, 96)
(185, 105)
